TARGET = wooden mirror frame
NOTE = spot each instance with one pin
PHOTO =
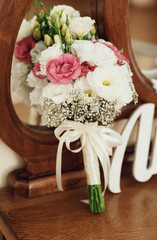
(38, 149)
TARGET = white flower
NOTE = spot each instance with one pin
(67, 10)
(22, 94)
(103, 41)
(36, 51)
(38, 85)
(25, 29)
(112, 84)
(33, 81)
(23, 69)
(19, 74)
(83, 85)
(57, 92)
(95, 53)
(47, 55)
(32, 21)
(81, 26)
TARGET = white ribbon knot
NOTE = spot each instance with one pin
(100, 138)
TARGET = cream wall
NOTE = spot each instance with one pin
(9, 161)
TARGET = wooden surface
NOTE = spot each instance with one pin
(132, 214)
(22, 183)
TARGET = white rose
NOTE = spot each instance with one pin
(112, 84)
(81, 26)
(50, 53)
(57, 92)
(94, 53)
(36, 51)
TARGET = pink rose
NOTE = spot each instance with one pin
(23, 48)
(36, 69)
(86, 67)
(117, 52)
(64, 69)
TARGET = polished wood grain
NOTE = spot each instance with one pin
(132, 214)
(36, 146)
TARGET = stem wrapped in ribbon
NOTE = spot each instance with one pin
(96, 143)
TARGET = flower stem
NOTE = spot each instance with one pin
(96, 200)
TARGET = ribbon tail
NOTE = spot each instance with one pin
(59, 165)
(105, 163)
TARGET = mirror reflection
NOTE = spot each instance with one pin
(143, 20)
(29, 45)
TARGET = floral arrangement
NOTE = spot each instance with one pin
(79, 84)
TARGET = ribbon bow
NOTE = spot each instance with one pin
(101, 139)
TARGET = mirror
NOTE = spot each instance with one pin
(20, 89)
(38, 148)
(143, 19)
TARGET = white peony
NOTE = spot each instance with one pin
(81, 26)
(36, 51)
(67, 10)
(47, 55)
(111, 83)
(94, 53)
(57, 92)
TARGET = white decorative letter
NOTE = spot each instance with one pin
(141, 172)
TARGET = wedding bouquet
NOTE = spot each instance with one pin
(80, 84)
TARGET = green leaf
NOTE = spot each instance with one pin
(122, 50)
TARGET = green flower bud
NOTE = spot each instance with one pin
(36, 24)
(41, 14)
(37, 34)
(57, 39)
(47, 40)
(68, 38)
(64, 29)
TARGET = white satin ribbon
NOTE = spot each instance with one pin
(101, 139)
